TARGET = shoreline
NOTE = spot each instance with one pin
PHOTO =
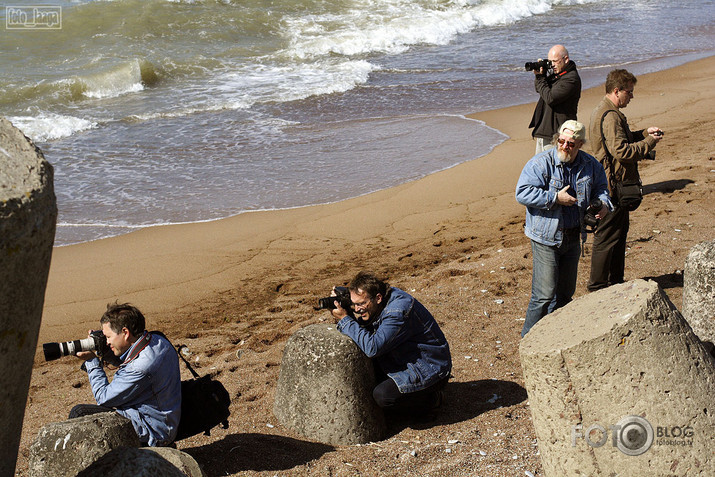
(77, 231)
(181, 265)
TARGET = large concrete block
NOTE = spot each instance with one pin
(144, 462)
(68, 447)
(699, 290)
(28, 214)
(620, 386)
(325, 388)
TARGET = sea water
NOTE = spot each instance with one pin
(167, 111)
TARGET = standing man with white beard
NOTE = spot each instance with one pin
(557, 186)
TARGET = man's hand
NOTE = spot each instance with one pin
(602, 213)
(564, 198)
(86, 355)
(656, 132)
(339, 312)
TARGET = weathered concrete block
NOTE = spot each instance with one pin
(68, 447)
(144, 462)
(325, 388)
(28, 214)
(699, 290)
(619, 385)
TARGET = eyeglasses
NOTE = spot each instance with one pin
(628, 92)
(563, 141)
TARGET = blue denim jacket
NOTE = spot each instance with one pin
(147, 390)
(540, 181)
(406, 342)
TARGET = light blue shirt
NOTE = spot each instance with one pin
(147, 390)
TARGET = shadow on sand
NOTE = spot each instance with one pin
(256, 452)
(462, 402)
(666, 187)
(668, 280)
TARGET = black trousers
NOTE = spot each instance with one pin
(608, 260)
(388, 396)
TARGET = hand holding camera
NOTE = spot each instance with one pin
(538, 66)
(341, 295)
(595, 211)
(94, 345)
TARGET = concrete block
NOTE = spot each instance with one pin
(699, 290)
(144, 462)
(68, 447)
(619, 385)
(28, 214)
(325, 388)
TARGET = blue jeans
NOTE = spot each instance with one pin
(553, 281)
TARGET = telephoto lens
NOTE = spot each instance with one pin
(57, 350)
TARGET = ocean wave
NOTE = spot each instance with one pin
(393, 26)
(49, 126)
(127, 77)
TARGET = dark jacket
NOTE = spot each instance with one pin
(558, 101)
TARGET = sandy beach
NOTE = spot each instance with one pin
(234, 290)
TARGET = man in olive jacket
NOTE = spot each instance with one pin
(626, 148)
(559, 93)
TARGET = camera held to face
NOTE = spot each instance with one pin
(96, 342)
(342, 296)
(537, 65)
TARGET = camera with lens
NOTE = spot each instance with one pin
(342, 296)
(650, 156)
(589, 217)
(96, 342)
(537, 65)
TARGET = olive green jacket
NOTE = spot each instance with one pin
(627, 147)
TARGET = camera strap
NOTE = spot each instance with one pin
(138, 347)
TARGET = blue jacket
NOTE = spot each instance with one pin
(147, 390)
(406, 342)
(540, 181)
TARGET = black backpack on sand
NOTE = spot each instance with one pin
(204, 404)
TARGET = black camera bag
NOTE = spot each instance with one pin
(629, 195)
(204, 404)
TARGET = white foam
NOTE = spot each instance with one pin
(392, 26)
(49, 126)
(267, 83)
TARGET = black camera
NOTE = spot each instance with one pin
(342, 296)
(589, 217)
(650, 156)
(537, 65)
(96, 342)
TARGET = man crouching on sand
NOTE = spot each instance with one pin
(146, 389)
(410, 351)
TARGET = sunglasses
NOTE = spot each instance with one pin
(562, 141)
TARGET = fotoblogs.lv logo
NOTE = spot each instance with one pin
(33, 17)
(633, 435)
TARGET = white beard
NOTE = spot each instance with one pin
(563, 156)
